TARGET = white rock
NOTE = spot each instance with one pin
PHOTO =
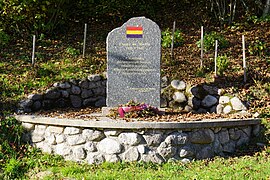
(62, 149)
(79, 153)
(185, 160)
(55, 129)
(131, 154)
(153, 139)
(227, 109)
(152, 157)
(219, 109)
(130, 138)
(256, 114)
(36, 137)
(90, 146)
(44, 147)
(71, 130)
(112, 158)
(95, 158)
(237, 104)
(187, 108)
(40, 129)
(164, 81)
(28, 126)
(176, 138)
(167, 152)
(179, 97)
(109, 132)
(50, 139)
(60, 138)
(141, 149)
(179, 85)
(75, 139)
(109, 146)
(224, 99)
(92, 135)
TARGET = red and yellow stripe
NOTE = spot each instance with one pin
(134, 32)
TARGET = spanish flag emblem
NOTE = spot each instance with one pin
(134, 32)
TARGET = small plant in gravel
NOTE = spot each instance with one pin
(209, 41)
(167, 38)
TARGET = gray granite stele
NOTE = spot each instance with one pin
(133, 67)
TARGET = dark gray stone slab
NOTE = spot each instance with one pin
(134, 63)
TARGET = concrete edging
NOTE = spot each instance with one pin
(106, 122)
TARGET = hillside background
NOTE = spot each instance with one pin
(59, 26)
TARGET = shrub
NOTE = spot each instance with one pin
(72, 51)
(167, 38)
(10, 147)
(257, 47)
(222, 64)
(13, 169)
(209, 41)
(4, 38)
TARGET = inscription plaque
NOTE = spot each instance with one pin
(133, 67)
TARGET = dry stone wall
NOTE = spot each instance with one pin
(91, 91)
(97, 145)
(199, 98)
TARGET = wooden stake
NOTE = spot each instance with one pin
(201, 47)
(84, 39)
(244, 59)
(33, 52)
(216, 49)
(172, 55)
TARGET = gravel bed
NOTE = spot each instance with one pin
(168, 116)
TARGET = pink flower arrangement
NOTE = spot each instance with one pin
(124, 109)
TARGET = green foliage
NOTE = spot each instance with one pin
(10, 147)
(209, 41)
(33, 16)
(10, 138)
(257, 47)
(255, 19)
(230, 168)
(13, 169)
(267, 59)
(17, 158)
(222, 64)
(166, 40)
(72, 51)
(4, 38)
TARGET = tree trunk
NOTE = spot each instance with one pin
(266, 8)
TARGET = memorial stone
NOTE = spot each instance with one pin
(133, 67)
